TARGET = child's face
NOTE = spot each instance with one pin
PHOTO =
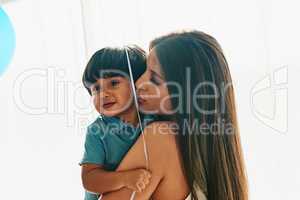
(112, 96)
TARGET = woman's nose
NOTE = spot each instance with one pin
(140, 86)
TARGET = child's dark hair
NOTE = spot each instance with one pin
(110, 62)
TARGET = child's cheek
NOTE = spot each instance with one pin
(96, 102)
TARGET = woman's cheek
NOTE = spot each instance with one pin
(166, 105)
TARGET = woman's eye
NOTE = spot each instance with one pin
(114, 83)
(154, 80)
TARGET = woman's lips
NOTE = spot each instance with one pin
(141, 101)
(108, 105)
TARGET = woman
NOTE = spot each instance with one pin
(197, 153)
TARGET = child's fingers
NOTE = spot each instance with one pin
(140, 186)
(147, 173)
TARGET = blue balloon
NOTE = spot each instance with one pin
(7, 41)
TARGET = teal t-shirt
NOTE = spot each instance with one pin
(107, 141)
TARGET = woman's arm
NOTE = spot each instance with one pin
(157, 145)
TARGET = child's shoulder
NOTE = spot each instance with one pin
(96, 128)
(102, 126)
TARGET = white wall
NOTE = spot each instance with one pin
(41, 146)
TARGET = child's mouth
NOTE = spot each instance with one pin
(108, 105)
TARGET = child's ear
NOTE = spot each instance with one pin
(90, 91)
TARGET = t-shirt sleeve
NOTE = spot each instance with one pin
(94, 151)
(91, 196)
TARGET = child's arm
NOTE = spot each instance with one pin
(96, 179)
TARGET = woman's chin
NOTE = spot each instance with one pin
(148, 110)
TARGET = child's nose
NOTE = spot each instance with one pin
(104, 94)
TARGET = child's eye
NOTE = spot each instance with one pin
(114, 83)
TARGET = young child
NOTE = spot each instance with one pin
(111, 135)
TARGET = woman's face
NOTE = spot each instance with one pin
(152, 89)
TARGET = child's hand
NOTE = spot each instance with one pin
(137, 179)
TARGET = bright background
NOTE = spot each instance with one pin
(44, 109)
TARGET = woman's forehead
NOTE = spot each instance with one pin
(153, 63)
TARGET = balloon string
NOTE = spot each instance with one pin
(138, 114)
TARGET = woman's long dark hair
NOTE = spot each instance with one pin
(208, 130)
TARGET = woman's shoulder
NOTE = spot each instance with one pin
(161, 130)
(161, 139)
